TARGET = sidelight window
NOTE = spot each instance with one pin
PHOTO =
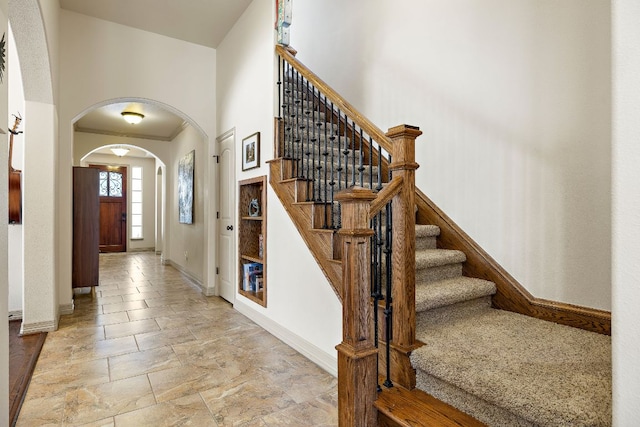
(136, 202)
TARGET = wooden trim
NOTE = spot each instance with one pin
(303, 224)
(511, 295)
(399, 407)
(249, 228)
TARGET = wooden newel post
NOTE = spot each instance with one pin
(403, 256)
(357, 354)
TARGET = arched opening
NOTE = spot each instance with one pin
(158, 151)
(143, 210)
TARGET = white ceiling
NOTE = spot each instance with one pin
(203, 22)
(158, 123)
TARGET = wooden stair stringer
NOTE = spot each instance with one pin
(320, 246)
(510, 295)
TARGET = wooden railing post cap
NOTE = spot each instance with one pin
(355, 194)
(404, 131)
(289, 49)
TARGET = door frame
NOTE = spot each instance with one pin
(228, 135)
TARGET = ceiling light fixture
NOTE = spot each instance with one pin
(120, 151)
(131, 117)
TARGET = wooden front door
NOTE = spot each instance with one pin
(113, 208)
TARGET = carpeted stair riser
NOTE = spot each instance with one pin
(290, 114)
(299, 139)
(447, 292)
(319, 127)
(434, 274)
(426, 236)
(468, 403)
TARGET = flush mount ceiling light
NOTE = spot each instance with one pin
(120, 151)
(131, 117)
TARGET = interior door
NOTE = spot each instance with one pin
(226, 217)
(112, 189)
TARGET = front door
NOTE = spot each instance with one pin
(226, 217)
(113, 208)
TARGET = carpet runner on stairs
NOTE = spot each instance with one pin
(503, 368)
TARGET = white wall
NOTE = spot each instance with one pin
(514, 101)
(37, 52)
(626, 205)
(4, 285)
(187, 240)
(301, 306)
(102, 61)
(16, 105)
(148, 165)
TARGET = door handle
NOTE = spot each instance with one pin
(229, 227)
(124, 217)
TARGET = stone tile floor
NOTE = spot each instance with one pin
(151, 350)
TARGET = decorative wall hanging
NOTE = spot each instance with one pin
(251, 152)
(15, 179)
(185, 188)
(283, 20)
(2, 57)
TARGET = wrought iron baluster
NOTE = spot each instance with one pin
(325, 156)
(388, 307)
(353, 153)
(280, 87)
(360, 157)
(371, 163)
(319, 166)
(289, 113)
(311, 148)
(333, 180)
(379, 152)
(376, 282)
(298, 139)
(307, 141)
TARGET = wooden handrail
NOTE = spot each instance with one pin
(372, 130)
(385, 195)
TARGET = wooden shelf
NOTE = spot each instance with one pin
(252, 233)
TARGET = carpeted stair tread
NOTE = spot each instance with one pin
(437, 257)
(543, 373)
(451, 291)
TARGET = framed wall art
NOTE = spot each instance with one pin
(251, 152)
(185, 188)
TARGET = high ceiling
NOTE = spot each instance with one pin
(203, 22)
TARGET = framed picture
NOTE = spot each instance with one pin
(185, 188)
(251, 152)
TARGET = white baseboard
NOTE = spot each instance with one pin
(321, 358)
(209, 292)
(34, 328)
(15, 315)
(66, 308)
(189, 276)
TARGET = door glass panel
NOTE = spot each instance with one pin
(115, 184)
(104, 181)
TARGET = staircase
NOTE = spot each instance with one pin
(500, 367)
